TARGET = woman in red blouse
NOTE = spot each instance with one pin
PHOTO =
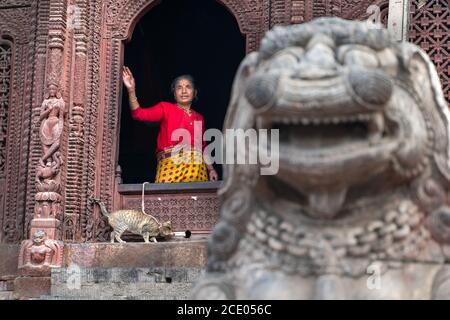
(172, 117)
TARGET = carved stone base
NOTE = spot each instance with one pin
(38, 255)
(190, 254)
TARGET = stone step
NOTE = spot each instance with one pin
(154, 283)
(6, 295)
(157, 291)
(189, 253)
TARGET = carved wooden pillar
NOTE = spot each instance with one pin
(76, 140)
(45, 249)
(5, 80)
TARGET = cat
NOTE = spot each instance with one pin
(136, 222)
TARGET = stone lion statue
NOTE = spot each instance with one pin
(359, 208)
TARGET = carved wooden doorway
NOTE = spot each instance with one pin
(201, 38)
(117, 24)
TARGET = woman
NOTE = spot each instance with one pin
(172, 117)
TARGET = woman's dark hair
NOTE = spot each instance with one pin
(187, 77)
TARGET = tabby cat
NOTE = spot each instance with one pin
(136, 222)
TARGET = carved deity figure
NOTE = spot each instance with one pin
(359, 208)
(52, 123)
(51, 127)
(40, 252)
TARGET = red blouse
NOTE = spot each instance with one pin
(171, 118)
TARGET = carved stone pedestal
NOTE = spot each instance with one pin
(37, 257)
(163, 270)
(40, 254)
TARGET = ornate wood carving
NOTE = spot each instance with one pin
(40, 254)
(17, 31)
(48, 147)
(430, 29)
(94, 107)
(298, 10)
(48, 206)
(5, 87)
(15, 3)
(91, 55)
(284, 12)
(91, 123)
(347, 9)
(76, 137)
(117, 21)
(85, 63)
(190, 211)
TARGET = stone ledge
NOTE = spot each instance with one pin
(187, 254)
(154, 188)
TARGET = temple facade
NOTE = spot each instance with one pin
(62, 137)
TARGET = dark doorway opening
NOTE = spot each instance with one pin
(201, 38)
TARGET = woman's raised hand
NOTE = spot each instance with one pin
(128, 79)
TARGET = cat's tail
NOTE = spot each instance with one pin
(102, 207)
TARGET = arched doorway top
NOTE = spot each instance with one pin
(123, 15)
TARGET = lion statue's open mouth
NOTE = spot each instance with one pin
(363, 169)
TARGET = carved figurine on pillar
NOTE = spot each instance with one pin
(52, 123)
(44, 250)
(41, 253)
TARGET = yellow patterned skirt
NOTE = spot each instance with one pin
(183, 166)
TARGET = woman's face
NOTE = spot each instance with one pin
(184, 92)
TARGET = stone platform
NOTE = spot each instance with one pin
(186, 253)
(151, 283)
(163, 270)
